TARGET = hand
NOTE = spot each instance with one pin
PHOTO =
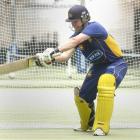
(45, 58)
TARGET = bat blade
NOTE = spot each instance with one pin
(17, 65)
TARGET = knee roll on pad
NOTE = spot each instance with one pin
(106, 85)
(83, 109)
(105, 102)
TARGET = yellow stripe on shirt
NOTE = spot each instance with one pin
(113, 46)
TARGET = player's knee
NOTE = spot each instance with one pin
(106, 85)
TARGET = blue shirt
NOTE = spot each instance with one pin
(101, 47)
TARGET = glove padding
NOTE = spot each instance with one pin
(45, 58)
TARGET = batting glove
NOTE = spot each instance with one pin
(46, 58)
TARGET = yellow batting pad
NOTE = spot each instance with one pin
(105, 102)
(84, 112)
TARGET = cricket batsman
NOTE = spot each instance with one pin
(108, 69)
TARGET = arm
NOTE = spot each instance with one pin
(92, 30)
(64, 56)
(65, 51)
(73, 42)
(46, 58)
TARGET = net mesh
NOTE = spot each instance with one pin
(30, 26)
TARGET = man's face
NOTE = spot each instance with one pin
(77, 24)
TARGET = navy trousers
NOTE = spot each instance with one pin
(88, 90)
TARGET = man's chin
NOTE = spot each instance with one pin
(78, 30)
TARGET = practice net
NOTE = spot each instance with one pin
(28, 27)
(31, 26)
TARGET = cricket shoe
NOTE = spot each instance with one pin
(99, 132)
(79, 130)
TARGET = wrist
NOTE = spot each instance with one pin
(52, 59)
(56, 50)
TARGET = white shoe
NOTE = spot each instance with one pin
(99, 132)
(79, 130)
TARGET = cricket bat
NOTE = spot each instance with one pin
(17, 65)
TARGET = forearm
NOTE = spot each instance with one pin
(67, 48)
(51, 55)
(60, 58)
(64, 56)
(71, 43)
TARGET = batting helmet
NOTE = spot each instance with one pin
(78, 12)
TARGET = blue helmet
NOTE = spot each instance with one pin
(78, 12)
